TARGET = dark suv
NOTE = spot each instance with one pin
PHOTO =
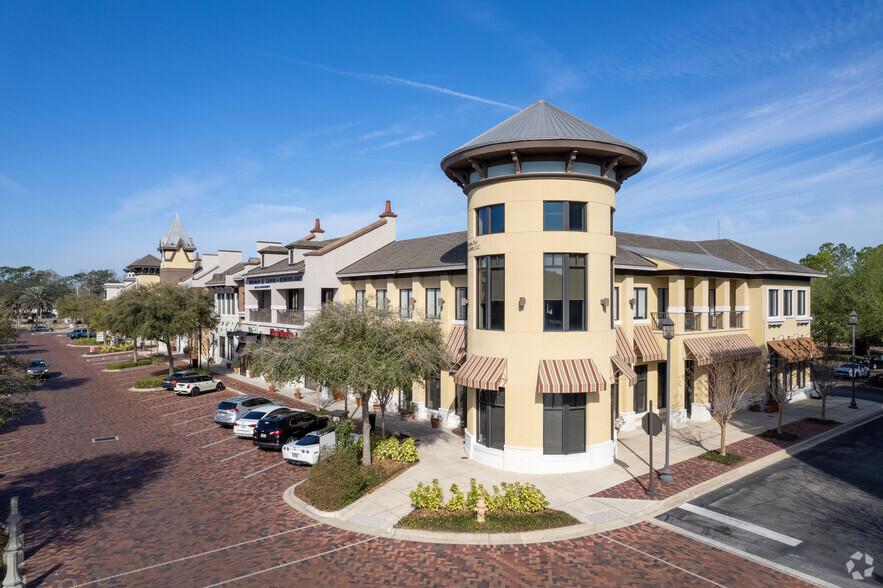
(274, 432)
(170, 381)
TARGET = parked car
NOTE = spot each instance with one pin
(80, 334)
(232, 408)
(245, 426)
(306, 449)
(274, 432)
(846, 369)
(875, 362)
(193, 385)
(169, 382)
(40, 329)
(38, 368)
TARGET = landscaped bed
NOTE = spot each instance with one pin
(106, 348)
(495, 522)
(728, 459)
(121, 365)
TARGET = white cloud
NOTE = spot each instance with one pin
(8, 185)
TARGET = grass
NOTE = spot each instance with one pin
(150, 382)
(85, 341)
(495, 522)
(340, 487)
(728, 459)
(783, 436)
(121, 365)
(826, 422)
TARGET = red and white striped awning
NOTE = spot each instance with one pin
(484, 373)
(706, 349)
(624, 348)
(625, 369)
(647, 344)
(570, 376)
(455, 346)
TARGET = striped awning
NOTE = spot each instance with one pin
(706, 349)
(625, 369)
(647, 344)
(570, 376)
(455, 346)
(484, 373)
(624, 348)
(811, 347)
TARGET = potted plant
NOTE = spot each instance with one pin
(358, 401)
(298, 392)
(187, 351)
(237, 366)
(337, 393)
(434, 419)
(406, 410)
(229, 365)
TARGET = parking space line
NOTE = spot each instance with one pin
(194, 556)
(171, 403)
(159, 395)
(215, 428)
(186, 409)
(263, 470)
(12, 470)
(644, 553)
(291, 563)
(191, 420)
(238, 454)
(221, 441)
(739, 524)
(10, 454)
(9, 441)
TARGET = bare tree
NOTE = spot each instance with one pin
(730, 383)
(781, 395)
(383, 399)
(824, 380)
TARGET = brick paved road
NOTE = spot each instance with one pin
(178, 502)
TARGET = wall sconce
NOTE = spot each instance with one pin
(464, 302)
(521, 303)
(604, 303)
(632, 302)
(441, 303)
(412, 301)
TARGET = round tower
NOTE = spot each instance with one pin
(541, 189)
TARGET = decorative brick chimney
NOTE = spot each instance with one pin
(388, 212)
(317, 230)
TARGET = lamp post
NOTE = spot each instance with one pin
(668, 333)
(853, 319)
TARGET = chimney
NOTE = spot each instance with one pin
(388, 212)
(317, 228)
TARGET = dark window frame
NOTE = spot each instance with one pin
(566, 309)
(491, 406)
(567, 215)
(490, 219)
(460, 294)
(560, 415)
(490, 314)
(640, 389)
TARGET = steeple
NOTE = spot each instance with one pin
(176, 238)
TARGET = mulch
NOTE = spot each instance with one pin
(694, 471)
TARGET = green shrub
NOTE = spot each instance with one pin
(476, 491)
(408, 451)
(519, 497)
(728, 459)
(334, 482)
(86, 341)
(389, 448)
(149, 382)
(428, 497)
(121, 365)
(457, 502)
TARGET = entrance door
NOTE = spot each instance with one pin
(640, 389)
(688, 387)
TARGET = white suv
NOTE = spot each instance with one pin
(193, 385)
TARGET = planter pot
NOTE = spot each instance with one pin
(266, 379)
(377, 409)
(771, 408)
(462, 432)
(272, 388)
(298, 395)
(408, 416)
(358, 401)
(229, 365)
(247, 373)
(435, 423)
(754, 408)
(235, 370)
(337, 396)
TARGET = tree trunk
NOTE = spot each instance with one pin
(134, 348)
(383, 420)
(723, 450)
(781, 410)
(168, 342)
(366, 434)
(824, 400)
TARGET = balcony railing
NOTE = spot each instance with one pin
(692, 321)
(290, 317)
(736, 320)
(260, 315)
(657, 319)
(715, 320)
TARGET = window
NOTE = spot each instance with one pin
(788, 302)
(360, 299)
(616, 303)
(460, 303)
(640, 303)
(801, 374)
(381, 298)
(295, 299)
(491, 219)
(662, 300)
(405, 309)
(433, 392)
(661, 375)
(564, 292)
(492, 418)
(491, 292)
(773, 302)
(564, 424)
(641, 389)
(328, 295)
(564, 216)
(460, 400)
(433, 305)
(712, 300)
(801, 303)
(405, 397)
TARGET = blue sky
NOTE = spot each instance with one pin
(251, 119)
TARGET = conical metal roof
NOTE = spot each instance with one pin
(177, 236)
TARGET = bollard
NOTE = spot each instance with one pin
(14, 555)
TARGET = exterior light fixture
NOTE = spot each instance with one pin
(521, 302)
(604, 303)
(853, 320)
(668, 333)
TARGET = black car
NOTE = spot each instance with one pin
(274, 432)
(169, 383)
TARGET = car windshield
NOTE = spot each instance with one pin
(37, 363)
(309, 440)
(226, 406)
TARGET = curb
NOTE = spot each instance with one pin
(335, 519)
(145, 389)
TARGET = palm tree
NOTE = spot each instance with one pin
(37, 298)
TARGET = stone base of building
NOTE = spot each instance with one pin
(700, 412)
(630, 422)
(531, 460)
(679, 418)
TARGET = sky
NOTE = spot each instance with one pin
(762, 121)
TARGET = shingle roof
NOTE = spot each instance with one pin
(177, 235)
(625, 258)
(691, 261)
(309, 244)
(332, 245)
(651, 242)
(273, 249)
(280, 267)
(754, 258)
(434, 252)
(219, 278)
(146, 261)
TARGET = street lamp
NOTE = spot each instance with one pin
(668, 333)
(853, 319)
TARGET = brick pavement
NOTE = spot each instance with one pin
(167, 491)
(693, 471)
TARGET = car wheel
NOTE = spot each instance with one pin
(194, 392)
(220, 386)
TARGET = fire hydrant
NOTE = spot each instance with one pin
(480, 509)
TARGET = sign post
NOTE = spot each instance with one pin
(652, 425)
